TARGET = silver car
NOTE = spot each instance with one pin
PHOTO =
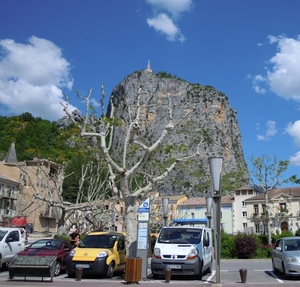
(286, 256)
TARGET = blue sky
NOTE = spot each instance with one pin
(249, 50)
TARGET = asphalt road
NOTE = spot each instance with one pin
(258, 272)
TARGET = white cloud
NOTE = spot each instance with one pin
(32, 77)
(295, 159)
(174, 7)
(165, 25)
(293, 129)
(283, 77)
(165, 14)
(271, 131)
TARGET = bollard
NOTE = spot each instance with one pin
(79, 271)
(243, 274)
(168, 272)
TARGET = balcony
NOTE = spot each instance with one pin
(282, 214)
(46, 215)
(255, 217)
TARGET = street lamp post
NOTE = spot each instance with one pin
(215, 166)
(165, 202)
(208, 211)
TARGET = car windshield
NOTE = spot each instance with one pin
(180, 235)
(292, 244)
(2, 234)
(46, 244)
(98, 241)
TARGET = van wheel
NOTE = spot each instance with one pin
(110, 270)
(155, 276)
(199, 276)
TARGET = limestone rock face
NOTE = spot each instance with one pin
(211, 122)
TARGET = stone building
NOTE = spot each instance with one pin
(18, 184)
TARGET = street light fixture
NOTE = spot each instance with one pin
(215, 166)
(165, 203)
(208, 211)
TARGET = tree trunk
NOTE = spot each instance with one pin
(131, 227)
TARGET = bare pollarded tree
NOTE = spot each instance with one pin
(266, 175)
(44, 182)
(122, 172)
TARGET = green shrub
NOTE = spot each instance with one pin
(264, 251)
(245, 246)
(61, 236)
(263, 239)
(227, 246)
(283, 234)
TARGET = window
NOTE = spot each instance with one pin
(256, 209)
(282, 207)
(238, 193)
(257, 229)
(244, 225)
(14, 235)
(244, 213)
(243, 203)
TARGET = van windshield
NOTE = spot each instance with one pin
(180, 235)
(98, 241)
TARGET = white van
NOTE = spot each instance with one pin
(185, 250)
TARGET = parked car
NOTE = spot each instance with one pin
(12, 240)
(49, 247)
(98, 253)
(286, 256)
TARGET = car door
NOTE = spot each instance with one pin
(121, 250)
(277, 254)
(12, 245)
(66, 249)
(206, 251)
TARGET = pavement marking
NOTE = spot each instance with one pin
(275, 276)
(210, 277)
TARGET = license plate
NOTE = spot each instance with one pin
(174, 266)
(83, 265)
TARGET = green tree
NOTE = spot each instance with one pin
(266, 174)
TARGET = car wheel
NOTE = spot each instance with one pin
(110, 270)
(199, 276)
(57, 268)
(283, 272)
(274, 268)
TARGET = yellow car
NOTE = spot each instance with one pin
(99, 253)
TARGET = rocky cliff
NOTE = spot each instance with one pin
(211, 121)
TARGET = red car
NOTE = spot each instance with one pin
(49, 247)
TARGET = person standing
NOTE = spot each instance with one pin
(74, 238)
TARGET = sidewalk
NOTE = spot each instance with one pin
(57, 283)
